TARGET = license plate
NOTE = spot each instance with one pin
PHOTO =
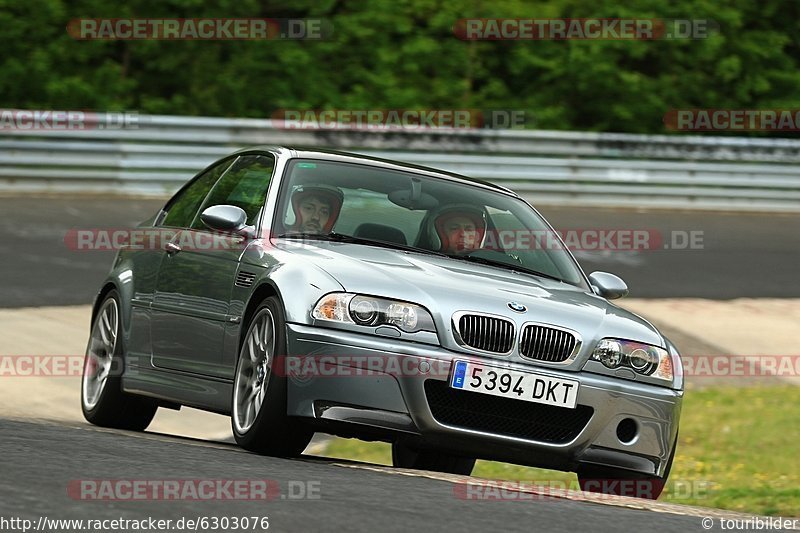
(526, 386)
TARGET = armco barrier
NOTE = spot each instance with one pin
(548, 167)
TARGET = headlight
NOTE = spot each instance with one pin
(373, 312)
(333, 307)
(643, 359)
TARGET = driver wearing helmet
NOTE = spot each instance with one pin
(459, 229)
(315, 208)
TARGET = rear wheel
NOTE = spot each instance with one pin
(259, 418)
(404, 456)
(103, 401)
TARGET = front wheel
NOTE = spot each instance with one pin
(103, 401)
(404, 456)
(259, 418)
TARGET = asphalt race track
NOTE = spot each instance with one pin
(39, 461)
(763, 250)
(44, 453)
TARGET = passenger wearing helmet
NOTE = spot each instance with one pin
(457, 229)
(315, 208)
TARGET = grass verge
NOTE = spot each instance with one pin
(739, 449)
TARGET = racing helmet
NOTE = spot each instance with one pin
(439, 217)
(332, 195)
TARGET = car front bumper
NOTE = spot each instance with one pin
(356, 384)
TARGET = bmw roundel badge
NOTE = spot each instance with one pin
(517, 307)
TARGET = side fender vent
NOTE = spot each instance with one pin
(244, 279)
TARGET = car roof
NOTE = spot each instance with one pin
(350, 157)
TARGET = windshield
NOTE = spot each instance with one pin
(365, 204)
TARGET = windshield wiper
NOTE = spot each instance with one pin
(341, 237)
(308, 235)
(509, 266)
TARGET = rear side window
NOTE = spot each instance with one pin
(182, 208)
(244, 185)
(363, 207)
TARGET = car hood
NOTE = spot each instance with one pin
(445, 285)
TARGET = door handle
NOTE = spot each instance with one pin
(172, 248)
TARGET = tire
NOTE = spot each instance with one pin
(103, 401)
(259, 419)
(624, 482)
(406, 457)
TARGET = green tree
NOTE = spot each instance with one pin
(403, 54)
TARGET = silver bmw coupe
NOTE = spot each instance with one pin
(303, 291)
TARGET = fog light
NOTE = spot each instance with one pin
(627, 430)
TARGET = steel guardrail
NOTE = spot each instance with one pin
(550, 167)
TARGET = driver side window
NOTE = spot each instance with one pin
(183, 206)
(243, 185)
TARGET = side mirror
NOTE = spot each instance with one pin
(608, 285)
(226, 218)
